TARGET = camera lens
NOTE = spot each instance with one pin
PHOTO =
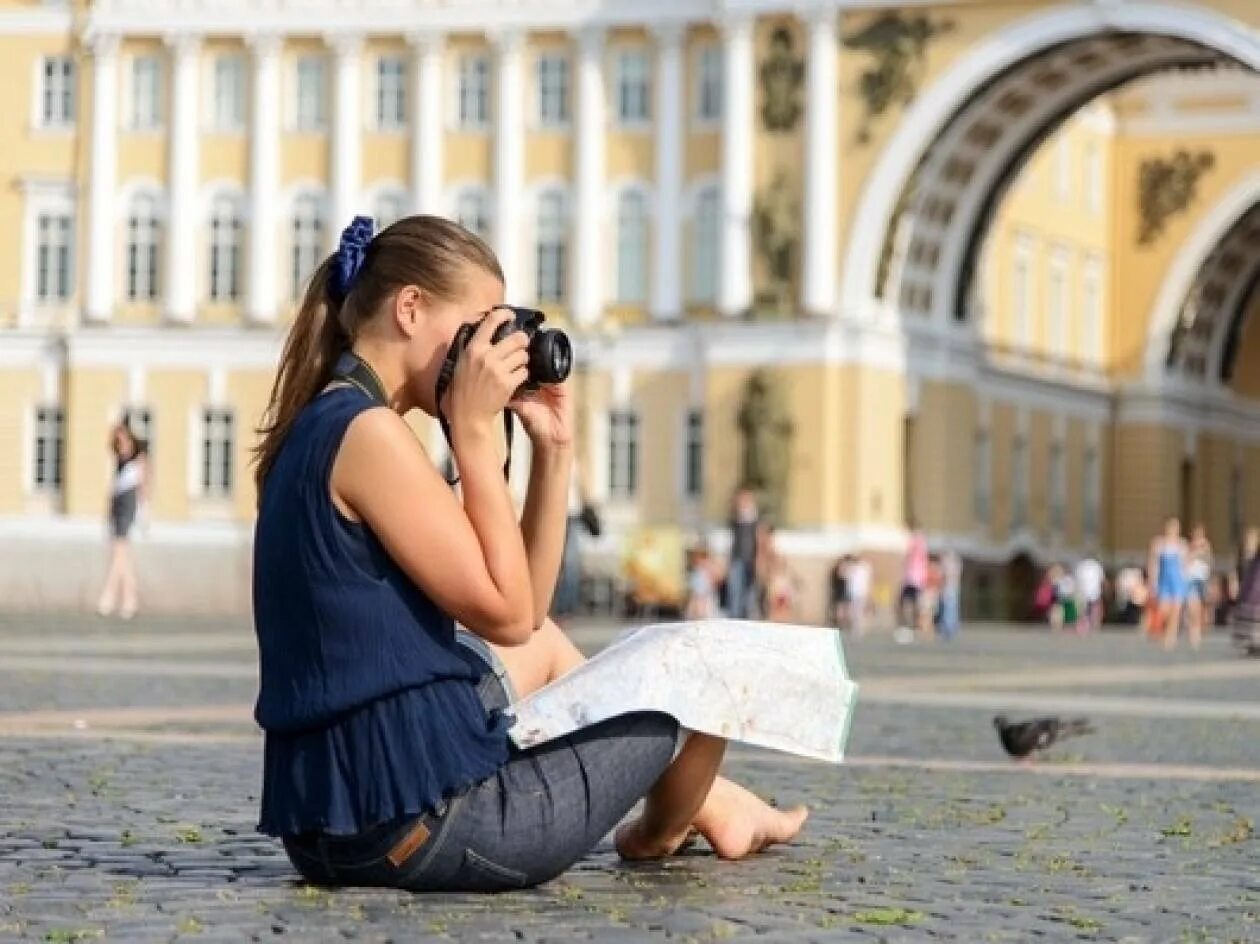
(550, 357)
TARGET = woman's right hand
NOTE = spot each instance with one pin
(486, 376)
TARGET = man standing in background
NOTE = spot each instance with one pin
(742, 561)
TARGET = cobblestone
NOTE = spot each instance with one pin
(927, 834)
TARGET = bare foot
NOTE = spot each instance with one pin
(739, 823)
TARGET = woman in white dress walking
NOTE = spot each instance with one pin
(128, 491)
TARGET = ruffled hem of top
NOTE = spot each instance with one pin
(401, 755)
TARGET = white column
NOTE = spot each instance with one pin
(818, 276)
(667, 274)
(735, 272)
(347, 133)
(264, 181)
(427, 139)
(509, 153)
(102, 224)
(183, 178)
(588, 267)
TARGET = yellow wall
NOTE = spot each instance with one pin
(19, 391)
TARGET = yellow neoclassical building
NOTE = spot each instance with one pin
(994, 262)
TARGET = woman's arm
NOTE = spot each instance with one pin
(544, 520)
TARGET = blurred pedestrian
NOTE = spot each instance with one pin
(128, 494)
(1090, 578)
(702, 602)
(951, 593)
(838, 599)
(1199, 574)
(914, 576)
(859, 581)
(741, 565)
(1169, 562)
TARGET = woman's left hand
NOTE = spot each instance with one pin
(547, 415)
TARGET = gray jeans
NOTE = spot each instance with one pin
(535, 817)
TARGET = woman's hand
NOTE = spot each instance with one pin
(547, 415)
(486, 376)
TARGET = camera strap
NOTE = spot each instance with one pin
(445, 375)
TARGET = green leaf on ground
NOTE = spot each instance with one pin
(888, 916)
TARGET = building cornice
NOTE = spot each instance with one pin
(174, 348)
(30, 22)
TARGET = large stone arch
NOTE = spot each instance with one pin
(1197, 319)
(938, 181)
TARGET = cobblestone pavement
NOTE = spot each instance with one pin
(129, 781)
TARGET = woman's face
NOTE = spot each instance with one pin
(1172, 528)
(121, 443)
(439, 321)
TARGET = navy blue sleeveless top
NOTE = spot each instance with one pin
(368, 704)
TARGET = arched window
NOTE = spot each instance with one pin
(390, 208)
(471, 212)
(704, 256)
(143, 240)
(551, 264)
(632, 247)
(308, 239)
(225, 250)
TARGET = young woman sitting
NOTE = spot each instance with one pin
(387, 760)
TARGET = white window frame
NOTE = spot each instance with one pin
(42, 197)
(472, 102)
(310, 103)
(308, 222)
(463, 202)
(705, 250)
(553, 90)
(146, 287)
(225, 290)
(60, 283)
(551, 248)
(692, 454)
(624, 447)
(1092, 310)
(43, 416)
(217, 473)
(632, 86)
(709, 91)
(1057, 286)
(226, 115)
(60, 89)
(390, 117)
(633, 273)
(144, 103)
(1022, 283)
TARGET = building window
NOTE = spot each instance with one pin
(50, 446)
(1056, 304)
(553, 90)
(1021, 289)
(709, 84)
(309, 108)
(623, 453)
(474, 92)
(633, 87)
(57, 93)
(308, 239)
(229, 93)
(391, 93)
(1058, 487)
(1019, 482)
(693, 452)
(146, 93)
(1063, 168)
(1091, 492)
(472, 213)
(982, 474)
(632, 248)
(704, 254)
(139, 419)
(54, 257)
(225, 250)
(1093, 177)
(1091, 311)
(143, 238)
(551, 262)
(216, 452)
(390, 208)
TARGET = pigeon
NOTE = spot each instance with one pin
(1022, 738)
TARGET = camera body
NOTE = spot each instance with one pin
(550, 351)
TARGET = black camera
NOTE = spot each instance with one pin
(550, 352)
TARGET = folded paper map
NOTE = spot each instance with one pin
(781, 687)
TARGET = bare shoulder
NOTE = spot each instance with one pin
(377, 433)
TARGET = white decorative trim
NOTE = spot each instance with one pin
(48, 21)
(1187, 264)
(931, 111)
(174, 349)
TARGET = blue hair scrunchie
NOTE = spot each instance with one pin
(348, 260)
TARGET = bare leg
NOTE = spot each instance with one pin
(1195, 620)
(128, 580)
(113, 577)
(1172, 624)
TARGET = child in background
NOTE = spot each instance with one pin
(701, 586)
